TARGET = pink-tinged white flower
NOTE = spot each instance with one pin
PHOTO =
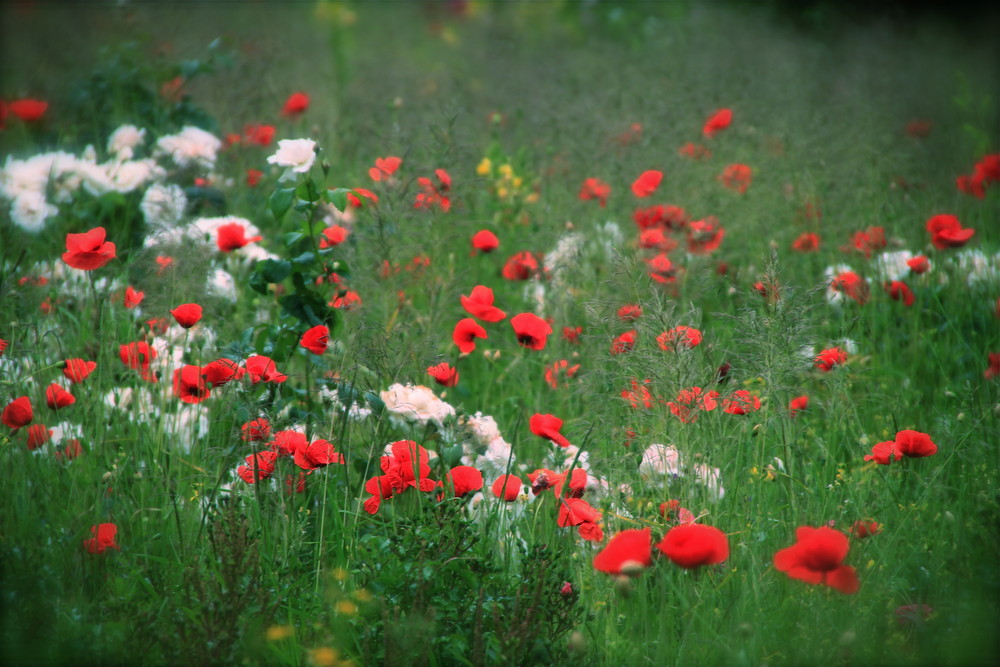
(297, 155)
(192, 146)
(415, 405)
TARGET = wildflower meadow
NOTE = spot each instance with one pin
(481, 333)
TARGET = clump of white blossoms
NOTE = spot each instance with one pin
(487, 451)
(415, 405)
(192, 146)
(163, 205)
(662, 464)
(297, 155)
(123, 141)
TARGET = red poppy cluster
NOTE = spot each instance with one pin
(432, 192)
(407, 466)
(309, 456)
(912, 444)
(688, 545)
(985, 172)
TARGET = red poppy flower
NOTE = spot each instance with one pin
(655, 239)
(295, 104)
(221, 371)
(667, 217)
(594, 188)
(479, 304)
(720, 120)
(262, 135)
(444, 374)
(817, 558)
(704, 236)
(797, 405)
(354, 202)
(38, 435)
(647, 183)
(630, 313)
(863, 529)
(531, 331)
(3, 346)
(986, 171)
(915, 444)
(465, 334)
(77, 370)
(88, 251)
(233, 236)
(691, 400)
(547, 426)
(679, 336)
(692, 545)
(994, 361)
(103, 538)
(572, 334)
(830, 357)
(807, 242)
(507, 487)
(57, 397)
(253, 177)
(561, 367)
(624, 343)
(258, 466)
(18, 413)
(317, 454)
(741, 402)
(464, 480)
(263, 369)
(28, 110)
(189, 384)
(346, 299)
(851, 285)
(899, 291)
(187, 314)
(256, 430)
(947, 232)
(485, 241)
(694, 151)
(884, 453)
(520, 266)
(384, 168)
(138, 355)
(629, 552)
(661, 269)
(316, 339)
(639, 395)
(573, 512)
(919, 264)
(286, 443)
(736, 177)
(432, 194)
(873, 238)
(164, 262)
(69, 451)
(133, 297)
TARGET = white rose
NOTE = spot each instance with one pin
(296, 154)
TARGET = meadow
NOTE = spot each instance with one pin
(603, 333)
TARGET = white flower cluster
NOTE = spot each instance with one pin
(415, 405)
(662, 464)
(192, 146)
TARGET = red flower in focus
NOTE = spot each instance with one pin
(553, 371)
(316, 339)
(741, 402)
(485, 241)
(258, 466)
(262, 135)
(18, 413)
(817, 558)
(444, 374)
(919, 264)
(233, 236)
(947, 232)
(736, 177)
(531, 331)
(88, 251)
(465, 334)
(630, 313)
(679, 336)
(133, 297)
(77, 370)
(520, 266)
(333, 236)
(221, 371)
(899, 291)
(797, 405)
(694, 151)
(547, 426)
(647, 183)
(830, 357)
(253, 177)
(594, 188)
(994, 365)
(28, 110)
(915, 444)
(624, 343)
(317, 454)
(256, 430)
(187, 314)
(189, 384)
(286, 443)
(295, 104)
(692, 545)
(103, 538)
(479, 304)
(384, 168)
(507, 487)
(807, 242)
(629, 552)
(138, 355)
(263, 369)
(720, 120)
(863, 529)
(463, 480)
(704, 236)
(57, 397)
(884, 453)
(579, 513)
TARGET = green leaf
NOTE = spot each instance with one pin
(291, 238)
(337, 197)
(307, 191)
(269, 271)
(281, 201)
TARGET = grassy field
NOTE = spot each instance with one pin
(131, 528)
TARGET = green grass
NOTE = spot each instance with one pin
(212, 570)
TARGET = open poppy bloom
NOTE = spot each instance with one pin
(520, 266)
(586, 519)
(661, 269)
(817, 558)
(594, 188)
(629, 552)
(848, 284)
(736, 177)
(485, 241)
(57, 397)
(947, 232)
(133, 297)
(797, 405)
(317, 454)
(316, 339)
(692, 400)
(630, 312)
(38, 435)
(647, 183)
(830, 357)
(532, 331)
(221, 371)
(187, 314)
(463, 480)
(88, 251)
(993, 369)
(28, 110)
(740, 402)
(384, 168)
(465, 334)
(233, 236)
(915, 444)
(679, 336)
(103, 538)
(919, 264)
(900, 291)
(263, 369)
(986, 171)
(624, 343)
(507, 487)
(295, 104)
(432, 194)
(547, 426)
(256, 430)
(871, 239)
(720, 120)
(884, 453)
(704, 236)
(444, 374)
(77, 370)
(692, 545)
(479, 304)
(333, 236)
(190, 385)
(258, 466)
(139, 355)
(18, 413)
